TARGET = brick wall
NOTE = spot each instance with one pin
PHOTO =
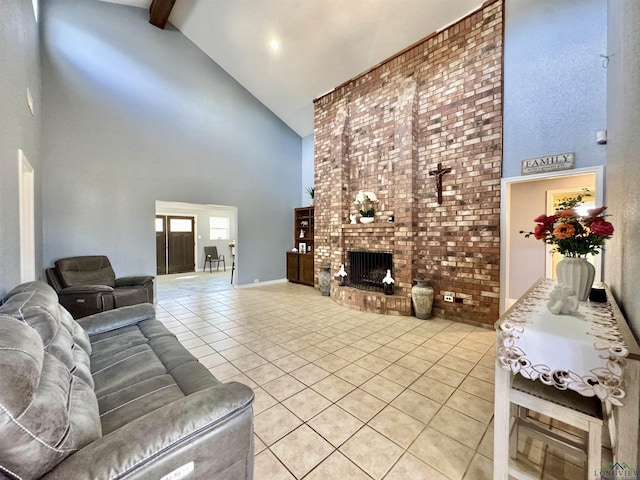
(437, 102)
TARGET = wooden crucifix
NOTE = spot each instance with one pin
(439, 173)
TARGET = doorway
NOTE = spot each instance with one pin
(175, 244)
(525, 260)
(214, 225)
(554, 198)
(27, 219)
(161, 245)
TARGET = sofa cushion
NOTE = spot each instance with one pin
(113, 341)
(20, 363)
(134, 401)
(131, 402)
(48, 408)
(46, 412)
(39, 308)
(125, 368)
(36, 304)
(105, 344)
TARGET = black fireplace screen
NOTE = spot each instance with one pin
(367, 269)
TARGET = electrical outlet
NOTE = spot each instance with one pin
(448, 298)
(256, 280)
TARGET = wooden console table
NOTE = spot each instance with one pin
(591, 351)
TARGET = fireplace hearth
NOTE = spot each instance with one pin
(367, 269)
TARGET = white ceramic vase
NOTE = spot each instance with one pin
(577, 273)
(366, 219)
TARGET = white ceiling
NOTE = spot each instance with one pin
(323, 43)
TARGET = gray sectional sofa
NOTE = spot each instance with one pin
(111, 396)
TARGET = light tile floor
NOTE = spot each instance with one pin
(342, 394)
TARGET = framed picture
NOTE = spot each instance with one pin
(302, 247)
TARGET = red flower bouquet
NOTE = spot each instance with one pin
(570, 234)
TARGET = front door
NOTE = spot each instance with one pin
(180, 242)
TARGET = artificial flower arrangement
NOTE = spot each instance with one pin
(572, 234)
(366, 201)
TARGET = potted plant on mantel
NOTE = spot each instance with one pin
(366, 201)
(574, 236)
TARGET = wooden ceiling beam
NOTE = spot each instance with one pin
(159, 12)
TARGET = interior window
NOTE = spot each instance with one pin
(219, 228)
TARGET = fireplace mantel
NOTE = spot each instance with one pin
(369, 227)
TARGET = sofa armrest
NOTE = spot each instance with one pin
(117, 318)
(133, 281)
(211, 428)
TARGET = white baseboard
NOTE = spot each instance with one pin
(510, 302)
(261, 284)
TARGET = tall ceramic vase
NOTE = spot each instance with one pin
(324, 281)
(577, 273)
(422, 298)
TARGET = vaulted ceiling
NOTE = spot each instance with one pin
(288, 52)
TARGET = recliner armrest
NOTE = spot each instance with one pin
(85, 289)
(117, 318)
(83, 300)
(133, 281)
(208, 428)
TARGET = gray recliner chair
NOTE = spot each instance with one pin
(87, 285)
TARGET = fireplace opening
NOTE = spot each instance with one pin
(367, 269)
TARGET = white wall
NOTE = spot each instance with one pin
(554, 80)
(307, 168)
(133, 114)
(19, 70)
(622, 267)
(554, 102)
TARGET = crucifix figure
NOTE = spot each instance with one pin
(439, 173)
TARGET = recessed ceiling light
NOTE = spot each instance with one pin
(275, 44)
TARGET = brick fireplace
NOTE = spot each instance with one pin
(437, 102)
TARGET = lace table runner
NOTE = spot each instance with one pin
(583, 351)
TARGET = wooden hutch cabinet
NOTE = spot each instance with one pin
(300, 263)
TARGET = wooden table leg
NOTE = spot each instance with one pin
(627, 417)
(501, 424)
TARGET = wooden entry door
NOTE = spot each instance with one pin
(161, 245)
(180, 244)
